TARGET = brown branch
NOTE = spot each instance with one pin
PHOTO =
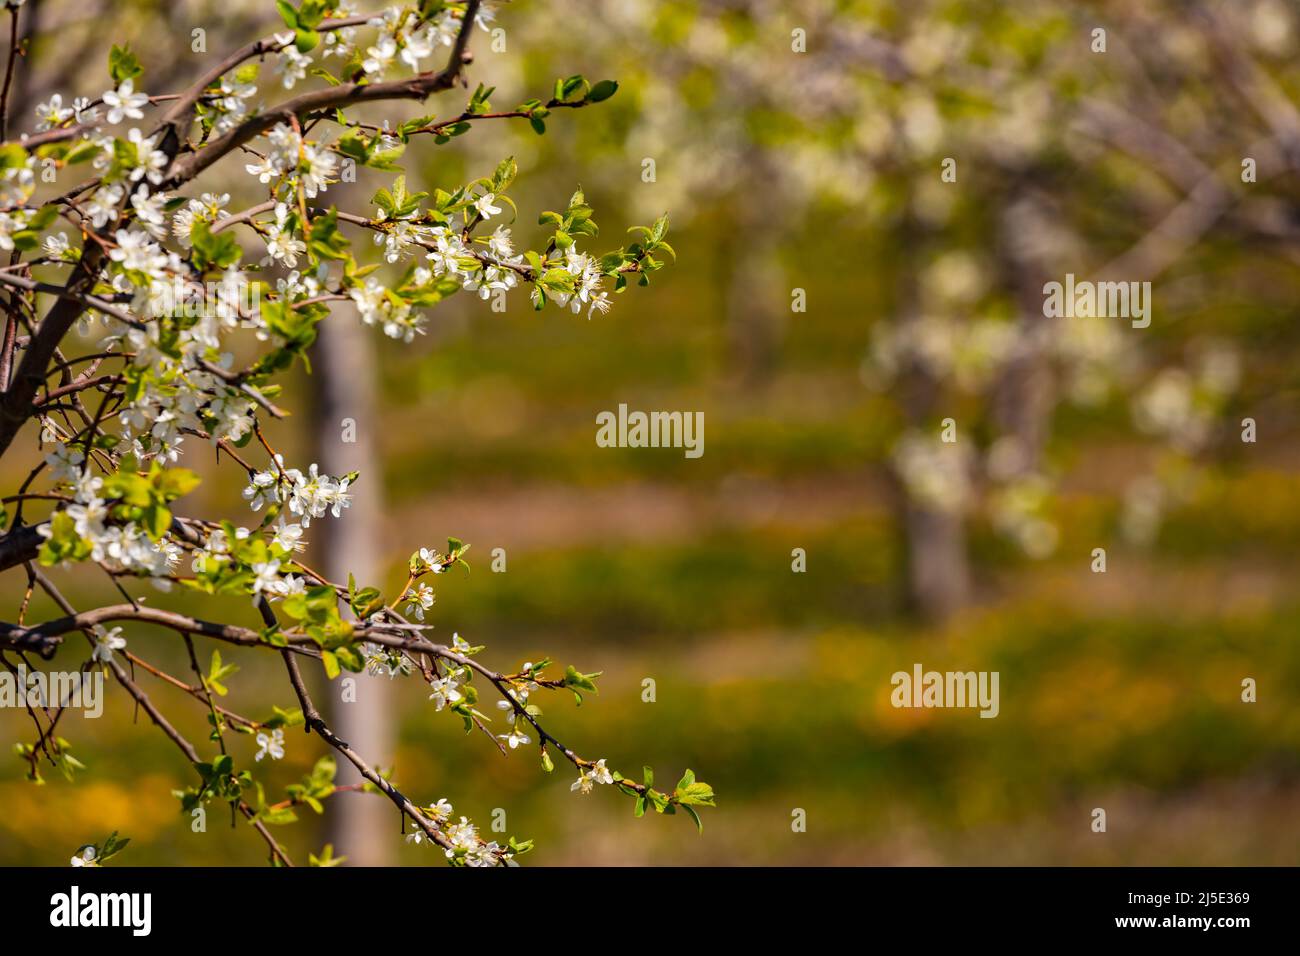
(314, 721)
(1184, 225)
(81, 384)
(20, 545)
(175, 121)
(142, 699)
(343, 95)
(9, 71)
(86, 299)
(230, 633)
(196, 692)
(16, 404)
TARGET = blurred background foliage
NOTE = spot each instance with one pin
(820, 171)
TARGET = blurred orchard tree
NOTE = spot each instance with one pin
(191, 310)
(976, 151)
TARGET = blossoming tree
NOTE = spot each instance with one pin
(169, 282)
(973, 152)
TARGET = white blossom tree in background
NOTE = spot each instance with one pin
(976, 152)
(191, 308)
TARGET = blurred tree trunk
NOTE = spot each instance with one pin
(343, 376)
(937, 565)
(756, 306)
(938, 570)
(1024, 398)
(755, 301)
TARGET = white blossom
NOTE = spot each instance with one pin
(421, 599)
(444, 691)
(106, 642)
(124, 102)
(85, 857)
(270, 745)
(293, 64)
(515, 738)
(589, 777)
(150, 162)
(485, 207)
(53, 113)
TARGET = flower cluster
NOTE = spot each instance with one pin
(308, 496)
(934, 472)
(53, 114)
(465, 846)
(294, 161)
(588, 777)
(967, 352)
(96, 526)
(1183, 405)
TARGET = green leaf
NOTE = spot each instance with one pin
(212, 251)
(351, 658)
(218, 672)
(326, 858)
(306, 40)
(112, 846)
(572, 678)
(123, 65)
(700, 794)
(602, 91)
(284, 718)
(660, 228)
(312, 12)
(366, 602)
(565, 89)
(63, 544)
(12, 156)
(505, 174)
(326, 240)
(279, 817)
(129, 488)
(288, 14)
(81, 152)
(173, 483)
